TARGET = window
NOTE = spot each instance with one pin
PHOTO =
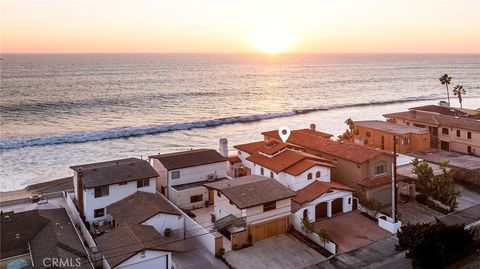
(469, 135)
(196, 198)
(318, 174)
(218, 194)
(175, 174)
(97, 213)
(162, 189)
(143, 183)
(349, 200)
(445, 131)
(271, 174)
(458, 133)
(368, 134)
(309, 176)
(269, 206)
(469, 149)
(101, 191)
(261, 171)
(380, 168)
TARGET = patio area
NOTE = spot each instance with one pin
(351, 230)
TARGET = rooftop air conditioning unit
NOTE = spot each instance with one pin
(212, 177)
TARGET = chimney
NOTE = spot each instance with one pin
(313, 126)
(79, 192)
(223, 147)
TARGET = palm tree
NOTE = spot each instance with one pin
(459, 91)
(445, 80)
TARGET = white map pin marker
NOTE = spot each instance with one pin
(284, 133)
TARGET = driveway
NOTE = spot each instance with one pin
(467, 198)
(351, 230)
(281, 251)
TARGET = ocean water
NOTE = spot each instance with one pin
(62, 110)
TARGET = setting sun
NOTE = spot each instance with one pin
(273, 40)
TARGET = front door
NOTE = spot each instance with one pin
(444, 145)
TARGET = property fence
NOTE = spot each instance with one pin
(77, 220)
(384, 221)
(328, 245)
(194, 230)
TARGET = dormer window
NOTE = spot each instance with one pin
(318, 174)
(143, 183)
(309, 176)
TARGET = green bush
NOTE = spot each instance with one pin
(435, 245)
(421, 198)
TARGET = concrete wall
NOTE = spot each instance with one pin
(328, 245)
(116, 193)
(182, 198)
(163, 221)
(151, 259)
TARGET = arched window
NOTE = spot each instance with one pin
(261, 171)
(305, 214)
(309, 176)
(318, 174)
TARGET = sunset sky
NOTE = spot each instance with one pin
(211, 26)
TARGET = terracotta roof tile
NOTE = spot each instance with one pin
(379, 181)
(233, 159)
(250, 148)
(340, 149)
(317, 189)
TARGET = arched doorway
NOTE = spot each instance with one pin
(321, 210)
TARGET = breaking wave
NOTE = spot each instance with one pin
(126, 132)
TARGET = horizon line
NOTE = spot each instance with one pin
(249, 53)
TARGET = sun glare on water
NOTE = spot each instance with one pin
(273, 40)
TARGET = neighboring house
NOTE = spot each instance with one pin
(149, 209)
(365, 169)
(256, 205)
(182, 175)
(134, 246)
(380, 134)
(447, 110)
(41, 239)
(99, 185)
(448, 133)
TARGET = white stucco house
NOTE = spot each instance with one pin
(253, 203)
(134, 246)
(182, 175)
(308, 175)
(98, 185)
(149, 209)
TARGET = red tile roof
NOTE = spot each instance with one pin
(233, 159)
(250, 148)
(274, 133)
(317, 189)
(379, 181)
(340, 149)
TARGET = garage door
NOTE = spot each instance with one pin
(268, 229)
(337, 206)
(321, 210)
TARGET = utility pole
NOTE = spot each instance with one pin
(394, 180)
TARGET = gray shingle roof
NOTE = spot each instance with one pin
(49, 233)
(116, 171)
(391, 127)
(140, 206)
(437, 120)
(252, 190)
(189, 158)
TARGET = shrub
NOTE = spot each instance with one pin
(307, 226)
(372, 205)
(421, 198)
(435, 245)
